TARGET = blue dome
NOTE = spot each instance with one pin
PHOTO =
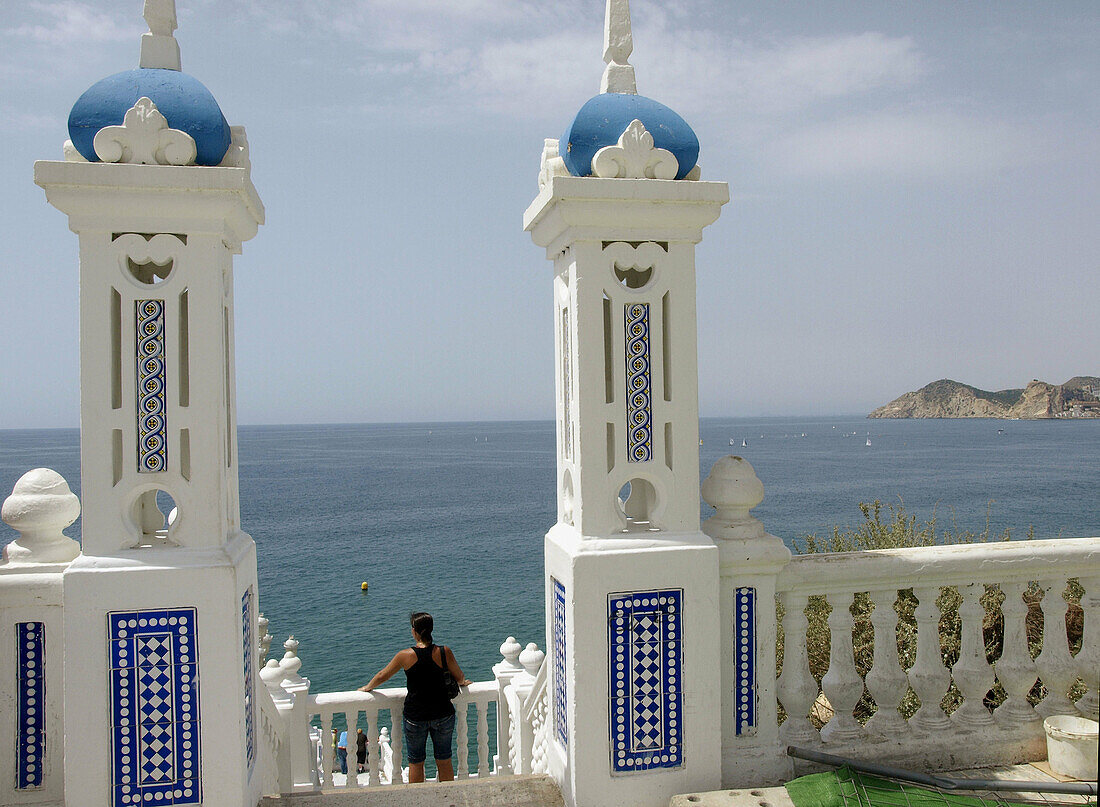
(605, 117)
(183, 100)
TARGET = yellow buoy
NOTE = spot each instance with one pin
(364, 587)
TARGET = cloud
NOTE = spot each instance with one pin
(897, 143)
(701, 74)
(66, 22)
(715, 75)
(14, 120)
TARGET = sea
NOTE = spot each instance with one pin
(449, 518)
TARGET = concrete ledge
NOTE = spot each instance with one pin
(493, 791)
(756, 797)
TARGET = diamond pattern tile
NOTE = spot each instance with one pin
(30, 732)
(744, 644)
(645, 659)
(561, 724)
(154, 707)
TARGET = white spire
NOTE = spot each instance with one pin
(159, 47)
(618, 43)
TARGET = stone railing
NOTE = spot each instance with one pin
(297, 753)
(930, 657)
(522, 726)
(959, 627)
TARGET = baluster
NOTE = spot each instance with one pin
(972, 672)
(841, 684)
(1015, 669)
(1055, 665)
(539, 746)
(886, 680)
(327, 751)
(385, 757)
(463, 732)
(398, 746)
(351, 718)
(1088, 657)
(374, 747)
(482, 738)
(797, 689)
(928, 676)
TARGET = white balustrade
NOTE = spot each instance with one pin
(1015, 668)
(1031, 575)
(886, 679)
(1055, 665)
(841, 684)
(373, 706)
(928, 677)
(1088, 657)
(973, 673)
(796, 687)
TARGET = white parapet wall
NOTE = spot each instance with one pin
(160, 629)
(32, 628)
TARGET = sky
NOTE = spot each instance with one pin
(915, 195)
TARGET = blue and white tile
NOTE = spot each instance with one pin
(744, 652)
(30, 736)
(645, 662)
(154, 707)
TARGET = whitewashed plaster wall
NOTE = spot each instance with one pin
(32, 638)
(159, 603)
(635, 582)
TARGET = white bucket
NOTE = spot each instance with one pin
(1072, 746)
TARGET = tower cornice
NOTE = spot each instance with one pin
(147, 197)
(572, 209)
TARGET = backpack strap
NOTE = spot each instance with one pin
(443, 655)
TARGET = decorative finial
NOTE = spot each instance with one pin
(618, 44)
(158, 47)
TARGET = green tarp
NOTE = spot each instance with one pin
(847, 788)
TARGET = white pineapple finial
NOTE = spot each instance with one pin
(618, 44)
(159, 47)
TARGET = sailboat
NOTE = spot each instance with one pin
(744, 444)
(868, 441)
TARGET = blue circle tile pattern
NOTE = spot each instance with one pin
(152, 402)
(639, 397)
(183, 100)
(31, 706)
(745, 660)
(603, 119)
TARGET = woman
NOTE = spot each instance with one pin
(428, 710)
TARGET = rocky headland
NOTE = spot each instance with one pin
(1077, 398)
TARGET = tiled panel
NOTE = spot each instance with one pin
(249, 680)
(30, 741)
(645, 634)
(639, 396)
(154, 684)
(152, 419)
(744, 654)
(561, 714)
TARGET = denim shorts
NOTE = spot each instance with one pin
(416, 738)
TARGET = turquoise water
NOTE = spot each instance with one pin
(452, 522)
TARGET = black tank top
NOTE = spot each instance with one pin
(427, 699)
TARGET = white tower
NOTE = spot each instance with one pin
(632, 583)
(161, 604)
